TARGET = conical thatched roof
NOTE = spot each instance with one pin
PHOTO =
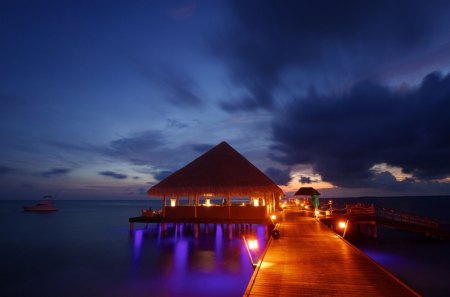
(221, 171)
(307, 191)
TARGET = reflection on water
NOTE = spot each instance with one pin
(213, 265)
(86, 249)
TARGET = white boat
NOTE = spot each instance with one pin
(46, 204)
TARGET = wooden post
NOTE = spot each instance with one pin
(131, 226)
(164, 207)
(196, 227)
(229, 205)
(375, 231)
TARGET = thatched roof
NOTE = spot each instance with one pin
(307, 191)
(221, 171)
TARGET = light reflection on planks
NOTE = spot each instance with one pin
(311, 260)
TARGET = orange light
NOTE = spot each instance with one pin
(208, 202)
(173, 202)
(273, 217)
(342, 225)
(306, 207)
(253, 244)
(255, 202)
(317, 213)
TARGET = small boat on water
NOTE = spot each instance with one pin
(46, 204)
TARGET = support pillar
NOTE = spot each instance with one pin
(196, 227)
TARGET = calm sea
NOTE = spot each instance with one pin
(420, 261)
(86, 249)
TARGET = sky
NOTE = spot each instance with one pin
(103, 99)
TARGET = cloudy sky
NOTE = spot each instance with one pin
(102, 99)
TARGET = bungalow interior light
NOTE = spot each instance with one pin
(255, 202)
(342, 224)
(173, 202)
(253, 244)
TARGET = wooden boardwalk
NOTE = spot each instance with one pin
(311, 260)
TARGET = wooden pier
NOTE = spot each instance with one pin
(311, 260)
(369, 217)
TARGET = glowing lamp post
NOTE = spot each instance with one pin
(208, 202)
(317, 213)
(251, 244)
(343, 225)
(173, 202)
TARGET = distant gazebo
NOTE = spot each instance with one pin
(221, 173)
(309, 192)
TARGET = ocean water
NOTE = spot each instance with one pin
(86, 249)
(420, 261)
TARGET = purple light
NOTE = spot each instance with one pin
(137, 243)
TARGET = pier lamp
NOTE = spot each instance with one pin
(251, 244)
(317, 212)
(173, 202)
(273, 218)
(256, 202)
(208, 202)
(343, 225)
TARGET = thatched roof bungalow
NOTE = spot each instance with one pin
(307, 191)
(221, 172)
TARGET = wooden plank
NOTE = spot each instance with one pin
(311, 260)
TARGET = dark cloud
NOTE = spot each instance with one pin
(343, 135)
(178, 87)
(202, 147)
(280, 177)
(318, 41)
(171, 123)
(159, 176)
(147, 148)
(5, 170)
(113, 174)
(305, 180)
(55, 172)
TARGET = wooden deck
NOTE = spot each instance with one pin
(311, 260)
(144, 219)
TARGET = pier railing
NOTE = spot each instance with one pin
(398, 217)
(389, 217)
